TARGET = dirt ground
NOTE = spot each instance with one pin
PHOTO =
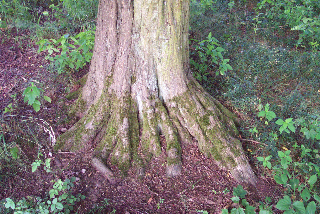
(201, 187)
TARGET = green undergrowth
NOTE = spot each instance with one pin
(274, 87)
(47, 19)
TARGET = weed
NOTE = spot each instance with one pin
(74, 51)
(210, 56)
(31, 95)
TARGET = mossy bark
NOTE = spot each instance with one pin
(139, 87)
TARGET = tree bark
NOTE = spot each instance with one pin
(139, 87)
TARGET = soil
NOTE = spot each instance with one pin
(201, 187)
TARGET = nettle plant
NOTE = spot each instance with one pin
(71, 52)
(60, 199)
(210, 56)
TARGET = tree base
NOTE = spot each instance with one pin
(130, 134)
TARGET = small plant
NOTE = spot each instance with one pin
(285, 173)
(31, 95)
(269, 115)
(161, 200)
(71, 51)
(239, 196)
(286, 125)
(210, 54)
(60, 199)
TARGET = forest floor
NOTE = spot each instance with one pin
(201, 187)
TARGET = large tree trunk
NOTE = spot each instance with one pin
(139, 87)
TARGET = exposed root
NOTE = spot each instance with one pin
(114, 126)
(106, 172)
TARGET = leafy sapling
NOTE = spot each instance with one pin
(269, 115)
(286, 125)
(32, 94)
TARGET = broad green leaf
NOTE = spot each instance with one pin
(291, 127)
(261, 114)
(288, 120)
(229, 67)
(224, 211)
(311, 208)
(53, 207)
(267, 107)
(269, 165)
(284, 178)
(278, 179)
(317, 198)
(268, 157)
(279, 122)
(284, 204)
(260, 158)
(239, 191)
(270, 115)
(36, 106)
(290, 211)
(235, 199)
(59, 206)
(281, 154)
(237, 211)
(312, 180)
(14, 152)
(219, 49)
(305, 195)
(48, 99)
(55, 200)
(294, 183)
(34, 168)
(249, 210)
(299, 207)
(10, 203)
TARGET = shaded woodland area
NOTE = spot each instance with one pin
(260, 60)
